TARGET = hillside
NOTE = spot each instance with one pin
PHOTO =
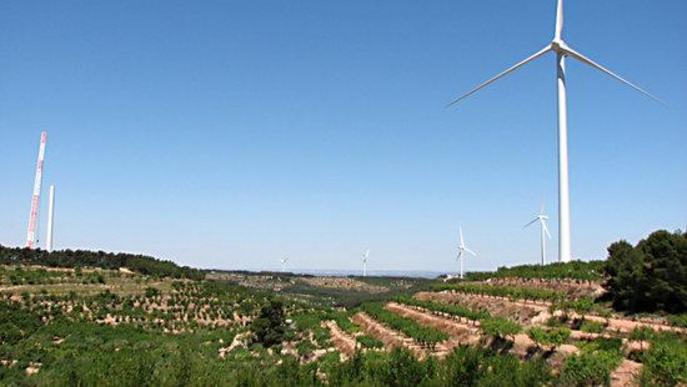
(525, 326)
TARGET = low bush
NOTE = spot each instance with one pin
(678, 320)
(589, 369)
(665, 364)
(591, 326)
(549, 338)
(369, 342)
(500, 327)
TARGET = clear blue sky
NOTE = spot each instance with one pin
(227, 134)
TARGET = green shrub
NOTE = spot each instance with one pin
(369, 342)
(665, 364)
(499, 327)
(152, 292)
(552, 337)
(403, 369)
(268, 328)
(589, 369)
(591, 326)
(642, 333)
(678, 320)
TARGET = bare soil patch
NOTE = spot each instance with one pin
(626, 374)
(343, 342)
(343, 283)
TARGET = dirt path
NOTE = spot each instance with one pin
(626, 374)
(390, 338)
(342, 341)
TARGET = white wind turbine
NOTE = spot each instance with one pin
(562, 50)
(283, 263)
(462, 249)
(365, 255)
(542, 218)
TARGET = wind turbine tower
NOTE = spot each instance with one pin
(562, 51)
(542, 218)
(462, 249)
(283, 263)
(35, 199)
(365, 255)
(51, 219)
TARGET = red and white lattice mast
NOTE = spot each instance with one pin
(35, 199)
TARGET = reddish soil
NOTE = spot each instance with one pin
(626, 374)
(342, 341)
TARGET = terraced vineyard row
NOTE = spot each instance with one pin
(452, 309)
(423, 335)
(512, 292)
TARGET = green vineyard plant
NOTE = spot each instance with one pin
(422, 334)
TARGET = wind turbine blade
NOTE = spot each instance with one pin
(500, 75)
(599, 67)
(528, 224)
(471, 252)
(559, 20)
(541, 211)
(460, 230)
(546, 229)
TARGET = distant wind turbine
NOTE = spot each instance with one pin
(365, 255)
(542, 218)
(462, 249)
(283, 263)
(562, 50)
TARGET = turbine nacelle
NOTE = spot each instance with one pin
(559, 46)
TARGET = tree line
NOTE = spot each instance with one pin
(142, 264)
